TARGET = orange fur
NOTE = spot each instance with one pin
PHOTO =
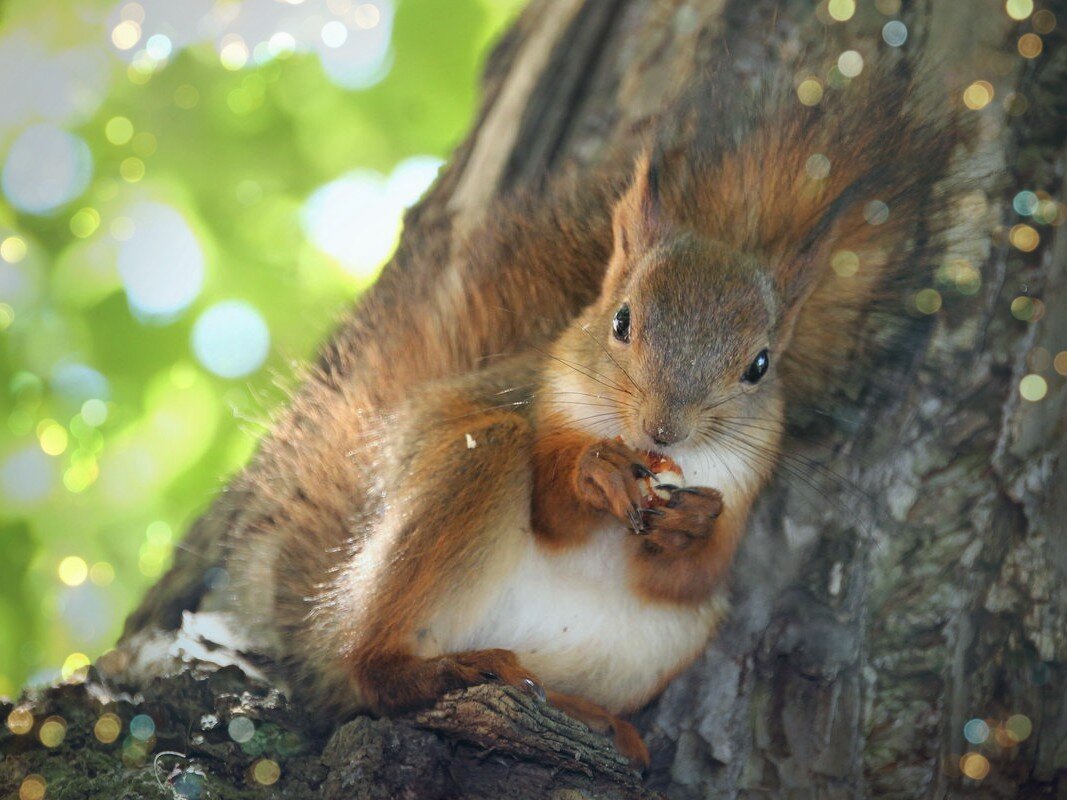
(429, 468)
(558, 515)
(683, 568)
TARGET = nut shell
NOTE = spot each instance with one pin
(665, 471)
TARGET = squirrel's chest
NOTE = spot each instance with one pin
(573, 621)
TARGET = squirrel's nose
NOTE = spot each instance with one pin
(663, 433)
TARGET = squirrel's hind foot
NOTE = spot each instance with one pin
(625, 736)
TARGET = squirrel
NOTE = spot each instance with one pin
(423, 520)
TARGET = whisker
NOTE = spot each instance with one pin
(769, 463)
(798, 467)
(585, 330)
(826, 471)
(592, 375)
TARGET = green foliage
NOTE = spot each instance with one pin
(112, 485)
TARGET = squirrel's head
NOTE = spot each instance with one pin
(683, 340)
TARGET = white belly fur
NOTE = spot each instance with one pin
(573, 621)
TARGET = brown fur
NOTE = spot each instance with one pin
(369, 514)
(559, 513)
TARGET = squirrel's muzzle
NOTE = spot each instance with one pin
(665, 432)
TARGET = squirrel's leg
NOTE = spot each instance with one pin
(688, 545)
(455, 515)
(627, 740)
(578, 479)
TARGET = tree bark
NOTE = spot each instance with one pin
(909, 584)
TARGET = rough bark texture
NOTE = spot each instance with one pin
(484, 743)
(875, 612)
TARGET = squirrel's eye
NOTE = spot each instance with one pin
(620, 323)
(758, 368)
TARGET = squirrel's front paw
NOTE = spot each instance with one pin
(689, 516)
(607, 479)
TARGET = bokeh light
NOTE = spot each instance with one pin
(231, 339)
(52, 436)
(27, 476)
(74, 664)
(102, 573)
(126, 34)
(1019, 9)
(33, 787)
(928, 301)
(850, 63)
(266, 772)
(1030, 45)
(241, 729)
(160, 260)
(845, 263)
(1024, 237)
(142, 727)
(20, 720)
(79, 383)
(158, 46)
(85, 222)
(107, 728)
(810, 92)
(1025, 203)
(1018, 727)
(355, 220)
(334, 33)
(73, 570)
(978, 95)
(1044, 21)
(817, 166)
(52, 731)
(119, 130)
(841, 10)
(1059, 363)
(46, 167)
(94, 412)
(975, 766)
(894, 33)
(1033, 388)
(976, 731)
(876, 212)
(410, 179)
(1022, 308)
(12, 249)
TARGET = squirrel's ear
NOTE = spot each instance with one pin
(638, 216)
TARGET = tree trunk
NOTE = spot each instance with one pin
(908, 585)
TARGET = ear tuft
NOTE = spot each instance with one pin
(638, 214)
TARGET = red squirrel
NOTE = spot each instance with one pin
(451, 527)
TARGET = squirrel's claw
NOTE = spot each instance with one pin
(636, 523)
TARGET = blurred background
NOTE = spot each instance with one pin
(192, 191)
